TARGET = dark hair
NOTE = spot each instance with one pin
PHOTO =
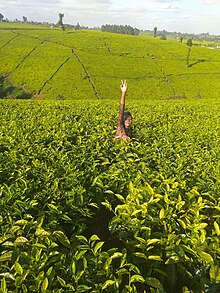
(128, 131)
(126, 115)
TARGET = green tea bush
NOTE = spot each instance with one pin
(83, 212)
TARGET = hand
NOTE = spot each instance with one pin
(124, 86)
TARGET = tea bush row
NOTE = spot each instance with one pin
(83, 212)
(154, 69)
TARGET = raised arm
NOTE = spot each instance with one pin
(124, 88)
(120, 132)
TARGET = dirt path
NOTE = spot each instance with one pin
(8, 42)
(166, 79)
(87, 74)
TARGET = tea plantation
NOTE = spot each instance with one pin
(50, 63)
(84, 212)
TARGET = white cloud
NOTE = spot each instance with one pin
(143, 14)
(185, 16)
(210, 2)
(30, 3)
(95, 1)
(170, 7)
(164, 1)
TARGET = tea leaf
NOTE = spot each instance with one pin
(107, 284)
(155, 257)
(8, 276)
(155, 283)
(94, 238)
(188, 249)
(80, 254)
(20, 241)
(40, 232)
(3, 286)
(44, 285)
(137, 278)
(6, 256)
(83, 288)
(182, 223)
(18, 268)
(139, 254)
(152, 241)
(172, 259)
(98, 246)
(82, 238)
(215, 273)
(217, 229)
(61, 281)
(201, 226)
(120, 197)
(62, 238)
(116, 255)
(21, 222)
(206, 257)
(161, 214)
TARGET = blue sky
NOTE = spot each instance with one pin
(193, 16)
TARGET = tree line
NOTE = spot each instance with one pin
(120, 29)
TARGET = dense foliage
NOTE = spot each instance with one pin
(83, 212)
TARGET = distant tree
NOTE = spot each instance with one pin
(60, 21)
(136, 31)
(189, 43)
(24, 19)
(120, 29)
(77, 27)
(155, 31)
(163, 37)
(1, 17)
(181, 39)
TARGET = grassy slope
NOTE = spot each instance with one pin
(86, 64)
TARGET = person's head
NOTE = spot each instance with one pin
(127, 118)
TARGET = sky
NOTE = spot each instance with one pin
(186, 16)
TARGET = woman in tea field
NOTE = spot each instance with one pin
(124, 118)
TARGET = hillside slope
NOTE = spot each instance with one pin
(49, 63)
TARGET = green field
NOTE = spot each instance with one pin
(88, 64)
(83, 212)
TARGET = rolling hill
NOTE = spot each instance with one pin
(49, 63)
